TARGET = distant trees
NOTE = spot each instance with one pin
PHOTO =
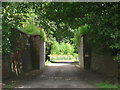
(62, 48)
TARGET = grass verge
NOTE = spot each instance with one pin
(47, 63)
(106, 85)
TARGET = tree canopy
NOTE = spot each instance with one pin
(62, 19)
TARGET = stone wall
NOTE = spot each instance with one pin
(84, 54)
(90, 60)
(19, 60)
(26, 59)
(6, 69)
(104, 63)
(29, 55)
(87, 53)
(37, 52)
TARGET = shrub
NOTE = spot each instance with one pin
(55, 48)
(69, 49)
(62, 48)
(82, 30)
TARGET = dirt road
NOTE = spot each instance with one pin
(63, 75)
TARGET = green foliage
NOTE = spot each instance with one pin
(47, 63)
(12, 16)
(55, 49)
(62, 48)
(104, 29)
(82, 30)
(101, 17)
(15, 15)
(31, 29)
(66, 48)
(60, 22)
(106, 85)
(75, 55)
(69, 49)
(54, 57)
(62, 51)
(117, 57)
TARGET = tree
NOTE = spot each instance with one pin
(62, 19)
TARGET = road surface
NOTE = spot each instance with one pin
(63, 75)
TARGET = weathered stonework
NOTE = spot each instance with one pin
(104, 64)
(38, 52)
(30, 55)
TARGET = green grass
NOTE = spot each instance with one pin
(76, 60)
(64, 61)
(106, 85)
(62, 57)
(32, 29)
(47, 63)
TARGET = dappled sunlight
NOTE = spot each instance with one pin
(58, 64)
(63, 61)
(77, 65)
(23, 87)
